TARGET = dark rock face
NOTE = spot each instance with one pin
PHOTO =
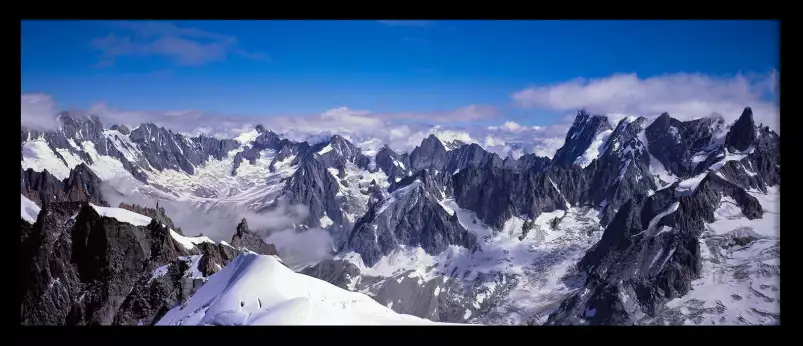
(289, 148)
(626, 130)
(497, 194)
(431, 154)
(650, 251)
(622, 171)
(743, 132)
(375, 192)
(674, 143)
(44, 256)
(471, 155)
(584, 130)
(412, 217)
(207, 147)
(534, 185)
(152, 297)
(337, 152)
(81, 185)
(336, 272)
(438, 185)
(530, 163)
(392, 164)
(212, 259)
(313, 186)
(164, 149)
(245, 239)
(216, 256)
(25, 230)
(489, 192)
(157, 214)
(79, 267)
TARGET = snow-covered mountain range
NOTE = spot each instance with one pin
(645, 221)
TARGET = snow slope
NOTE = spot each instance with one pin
(593, 150)
(536, 269)
(740, 284)
(38, 156)
(661, 175)
(260, 290)
(123, 215)
(189, 242)
(688, 186)
(29, 210)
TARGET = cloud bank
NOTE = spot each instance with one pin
(39, 112)
(219, 222)
(684, 96)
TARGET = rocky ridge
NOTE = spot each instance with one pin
(373, 206)
(79, 267)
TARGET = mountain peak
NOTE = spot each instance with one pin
(581, 135)
(747, 115)
(430, 152)
(663, 121)
(339, 140)
(743, 132)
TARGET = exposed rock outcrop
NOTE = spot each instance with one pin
(81, 185)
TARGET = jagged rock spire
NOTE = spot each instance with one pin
(743, 132)
(242, 227)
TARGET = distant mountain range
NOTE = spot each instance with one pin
(646, 221)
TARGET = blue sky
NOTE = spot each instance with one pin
(297, 68)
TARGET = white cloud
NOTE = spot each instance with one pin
(491, 141)
(38, 112)
(220, 222)
(684, 96)
(547, 146)
(184, 45)
(515, 140)
(449, 135)
(512, 126)
(299, 249)
(464, 114)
